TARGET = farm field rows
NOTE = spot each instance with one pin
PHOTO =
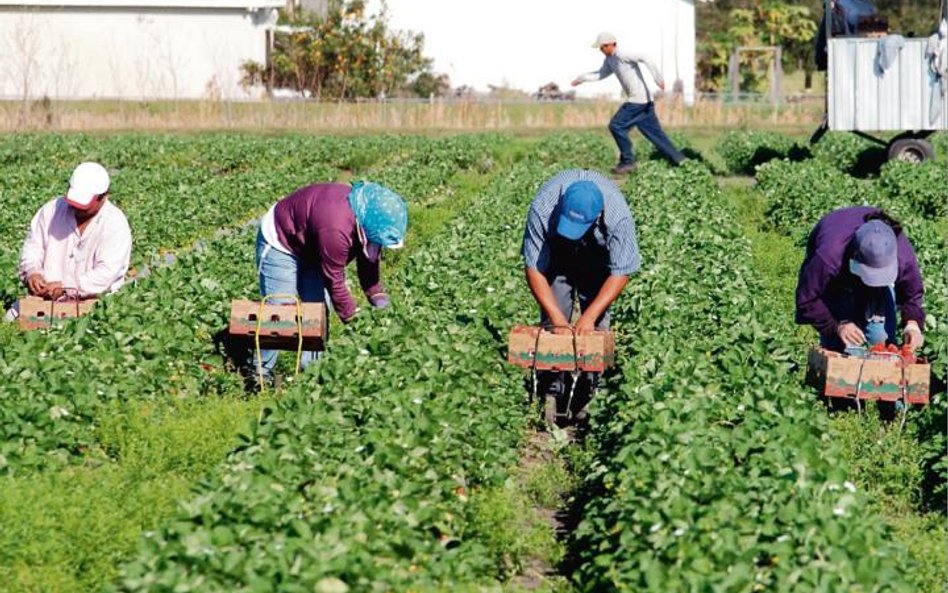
(709, 466)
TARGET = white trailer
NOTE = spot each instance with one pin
(865, 98)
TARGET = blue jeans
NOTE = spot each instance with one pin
(584, 287)
(641, 115)
(880, 307)
(282, 273)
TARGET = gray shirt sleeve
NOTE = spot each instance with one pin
(634, 58)
(604, 71)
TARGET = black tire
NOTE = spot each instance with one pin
(911, 150)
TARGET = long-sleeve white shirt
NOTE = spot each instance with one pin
(91, 263)
(625, 65)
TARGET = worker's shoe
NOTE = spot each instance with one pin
(623, 168)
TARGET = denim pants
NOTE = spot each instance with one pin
(641, 115)
(565, 288)
(879, 308)
(282, 273)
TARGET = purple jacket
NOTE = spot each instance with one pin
(316, 223)
(826, 288)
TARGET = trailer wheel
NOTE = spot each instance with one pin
(911, 150)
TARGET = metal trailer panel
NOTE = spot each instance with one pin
(863, 98)
(866, 106)
(916, 86)
(890, 95)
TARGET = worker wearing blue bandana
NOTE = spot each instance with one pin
(579, 245)
(307, 239)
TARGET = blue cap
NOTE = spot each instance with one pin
(876, 259)
(580, 206)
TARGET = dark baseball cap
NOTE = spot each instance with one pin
(875, 260)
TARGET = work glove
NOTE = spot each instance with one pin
(380, 300)
(912, 335)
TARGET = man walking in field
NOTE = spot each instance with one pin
(639, 107)
(579, 245)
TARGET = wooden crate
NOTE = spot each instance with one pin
(279, 329)
(557, 352)
(877, 377)
(39, 313)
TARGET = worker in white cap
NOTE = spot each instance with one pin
(79, 244)
(638, 110)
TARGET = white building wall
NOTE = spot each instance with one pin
(527, 43)
(128, 52)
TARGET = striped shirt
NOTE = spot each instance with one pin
(625, 65)
(619, 238)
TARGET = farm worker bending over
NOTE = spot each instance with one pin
(859, 267)
(639, 107)
(78, 245)
(579, 244)
(306, 240)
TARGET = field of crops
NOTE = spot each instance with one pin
(133, 460)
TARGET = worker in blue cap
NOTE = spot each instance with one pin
(579, 245)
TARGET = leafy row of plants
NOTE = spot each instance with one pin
(812, 188)
(366, 474)
(799, 193)
(153, 339)
(713, 470)
(175, 190)
(923, 187)
(849, 153)
(744, 150)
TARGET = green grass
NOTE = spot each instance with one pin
(776, 258)
(69, 529)
(793, 83)
(506, 524)
(546, 484)
(515, 520)
(886, 462)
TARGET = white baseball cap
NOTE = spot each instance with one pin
(604, 38)
(88, 181)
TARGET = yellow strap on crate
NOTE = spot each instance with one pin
(299, 333)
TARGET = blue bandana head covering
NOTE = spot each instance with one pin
(380, 212)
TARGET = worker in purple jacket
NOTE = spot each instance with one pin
(859, 267)
(306, 240)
